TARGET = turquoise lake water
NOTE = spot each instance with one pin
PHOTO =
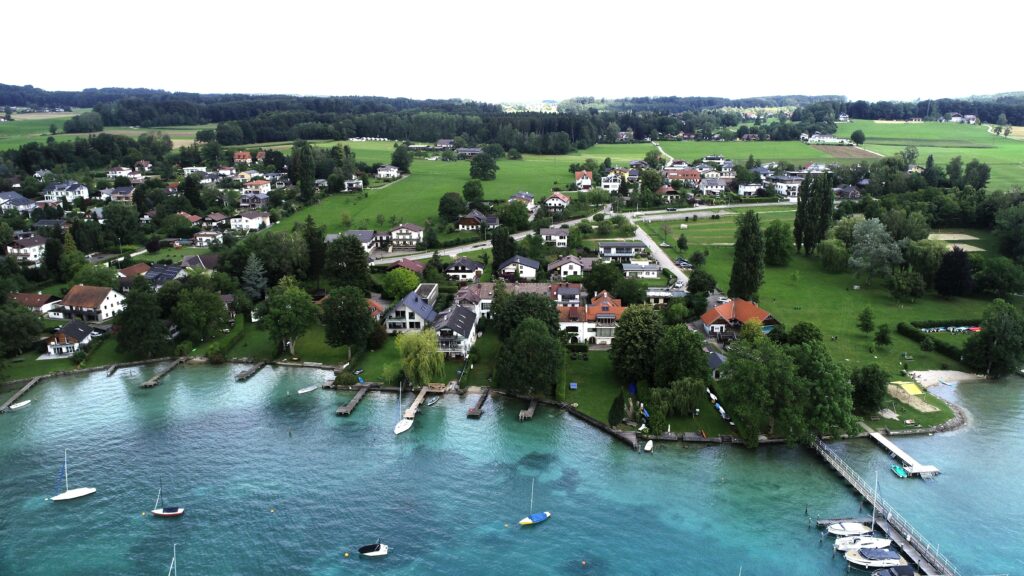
(275, 483)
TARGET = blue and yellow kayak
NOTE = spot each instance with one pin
(899, 471)
(535, 518)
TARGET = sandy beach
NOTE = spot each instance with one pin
(928, 378)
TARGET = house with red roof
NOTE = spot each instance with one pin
(592, 323)
(584, 180)
(557, 202)
(243, 157)
(732, 315)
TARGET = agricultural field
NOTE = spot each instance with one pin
(945, 141)
(789, 151)
(36, 128)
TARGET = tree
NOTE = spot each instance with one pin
(778, 243)
(602, 276)
(843, 229)
(254, 278)
(679, 354)
(977, 174)
(399, 282)
(451, 206)
(473, 191)
(1000, 276)
(834, 256)
(701, 281)
(421, 359)
(632, 354)
(290, 312)
(141, 334)
(92, 275)
(70, 258)
(682, 243)
(858, 137)
(828, 394)
(906, 285)
(866, 320)
(748, 262)
(510, 310)
(925, 256)
(676, 313)
(122, 220)
(955, 172)
(759, 387)
(199, 313)
(347, 320)
(954, 276)
(902, 224)
(304, 166)
(650, 180)
(316, 247)
(814, 206)
(654, 159)
(514, 215)
(19, 327)
(191, 190)
(803, 332)
(530, 360)
(483, 167)
(503, 246)
(874, 251)
(998, 349)
(882, 336)
(869, 388)
(401, 158)
(630, 291)
(345, 262)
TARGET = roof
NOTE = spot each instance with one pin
(75, 330)
(48, 223)
(715, 360)
(584, 174)
(474, 214)
(666, 189)
(464, 263)
(215, 217)
(522, 261)
(257, 183)
(621, 245)
(406, 226)
(160, 273)
(376, 308)
(15, 199)
(554, 232)
(253, 215)
(640, 267)
(601, 306)
(364, 236)
(190, 217)
(736, 310)
(134, 270)
(32, 300)
(411, 265)
(521, 196)
(387, 167)
(82, 296)
(457, 319)
(201, 261)
(709, 182)
(421, 307)
(29, 241)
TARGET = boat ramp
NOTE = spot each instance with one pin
(19, 394)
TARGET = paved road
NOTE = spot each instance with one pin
(660, 255)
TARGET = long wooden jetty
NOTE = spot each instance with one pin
(914, 546)
(478, 410)
(528, 413)
(249, 373)
(411, 411)
(19, 393)
(912, 466)
(160, 375)
(347, 409)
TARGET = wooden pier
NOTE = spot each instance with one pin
(478, 410)
(908, 540)
(912, 466)
(347, 409)
(113, 368)
(155, 380)
(19, 393)
(410, 412)
(249, 373)
(528, 413)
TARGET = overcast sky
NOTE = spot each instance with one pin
(519, 51)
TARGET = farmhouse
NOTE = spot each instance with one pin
(569, 266)
(214, 220)
(92, 303)
(69, 338)
(519, 268)
(456, 331)
(444, 144)
(414, 312)
(464, 270)
(406, 235)
(557, 237)
(468, 152)
(557, 202)
(732, 315)
(119, 171)
(667, 193)
(250, 220)
(584, 180)
(388, 172)
(28, 250)
(475, 219)
(257, 187)
(642, 271)
(620, 251)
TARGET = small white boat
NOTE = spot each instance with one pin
(403, 425)
(68, 493)
(21, 404)
(848, 543)
(874, 558)
(165, 511)
(434, 400)
(374, 550)
(308, 389)
(649, 447)
(849, 529)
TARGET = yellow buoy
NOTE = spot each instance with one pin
(346, 554)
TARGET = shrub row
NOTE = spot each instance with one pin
(942, 347)
(943, 323)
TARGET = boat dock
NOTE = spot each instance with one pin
(19, 394)
(528, 413)
(911, 543)
(411, 411)
(347, 409)
(113, 368)
(160, 375)
(912, 466)
(249, 373)
(478, 410)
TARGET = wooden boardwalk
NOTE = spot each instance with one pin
(410, 412)
(19, 393)
(249, 373)
(160, 375)
(912, 466)
(904, 536)
(528, 413)
(478, 410)
(347, 409)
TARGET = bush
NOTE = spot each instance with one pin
(344, 379)
(618, 410)
(928, 344)
(578, 348)
(377, 337)
(944, 348)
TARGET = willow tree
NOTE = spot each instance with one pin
(421, 359)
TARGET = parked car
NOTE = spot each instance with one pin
(670, 209)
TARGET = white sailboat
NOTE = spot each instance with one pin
(165, 511)
(68, 493)
(849, 529)
(866, 541)
(174, 563)
(403, 424)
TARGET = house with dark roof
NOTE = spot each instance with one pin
(566, 294)
(92, 303)
(715, 362)
(405, 235)
(570, 265)
(557, 237)
(456, 331)
(642, 270)
(126, 276)
(519, 268)
(444, 144)
(69, 338)
(464, 270)
(215, 220)
(254, 201)
(732, 315)
(620, 251)
(468, 152)
(160, 274)
(368, 238)
(28, 250)
(202, 262)
(524, 198)
(474, 219)
(410, 265)
(65, 191)
(414, 312)
(15, 202)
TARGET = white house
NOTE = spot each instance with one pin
(40, 303)
(208, 238)
(611, 182)
(749, 189)
(519, 268)
(257, 187)
(568, 266)
(593, 323)
(92, 303)
(557, 237)
(456, 331)
(190, 170)
(65, 191)
(119, 171)
(353, 184)
(787, 185)
(584, 180)
(712, 186)
(557, 202)
(250, 220)
(464, 270)
(414, 312)
(623, 251)
(642, 271)
(69, 338)
(406, 235)
(367, 238)
(14, 201)
(28, 250)
(388, 172)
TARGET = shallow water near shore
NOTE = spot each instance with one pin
(273, 483)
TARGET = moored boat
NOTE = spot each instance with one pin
(21, 404)
(848, 543)
(848, 529)
(374, 550)
(874, 558)
(899, 471)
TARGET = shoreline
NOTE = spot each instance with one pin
(928, 378)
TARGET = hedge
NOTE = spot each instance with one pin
(942, 347)
(944, 323)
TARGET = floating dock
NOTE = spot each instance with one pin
(347, 409)
(912, 466)
(249, 373)
(19, 393)
(911, 543)
(160, 375)
(528, 413)
(478, 410)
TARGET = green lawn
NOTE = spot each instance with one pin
(312, 347)
(782, 151)
(486, 356)
(905, 412)
(36, 128)
(103, 352)
(173, 254)
(372, 363)
(597, 387)
(255, 344)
